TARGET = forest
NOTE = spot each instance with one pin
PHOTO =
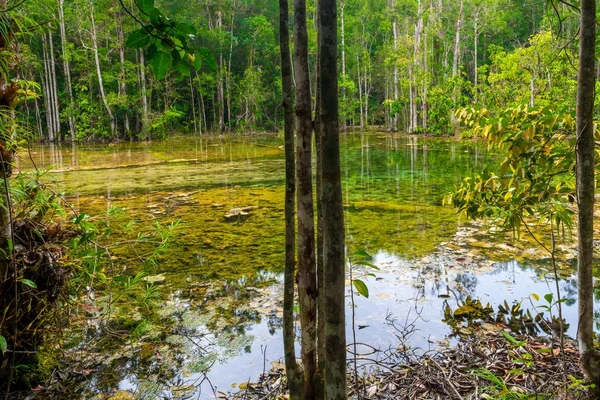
(398, 62)
(307, 199)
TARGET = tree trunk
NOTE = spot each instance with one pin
(67, 69)
(343, 33)
(396, 76)
(46, 87)
(193, 101)
(307, 280)
(333, 215)
(123, 75)
(293, 372)
(360, 94)
(54, 87)
(109, 111)
(590, 358)
(321, 356)
(143, 91)
(457, 41)
(220, 89)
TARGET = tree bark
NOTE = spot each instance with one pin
(46, 87)
(293, 372)
(67, 70)
(307, 280)
(457, 41)
(321, 337)
(590, 358)
(343, 33)
(396, 76)
(333, 215)
(123, 75)
(143, 91)
(109, 111)
(54, 87)
(220, 84)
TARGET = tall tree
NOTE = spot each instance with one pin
(331, 199)
(293, 373)
(590, 358)
(94, 35)
(307, 279)
(67, 68)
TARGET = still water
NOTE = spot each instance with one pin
(220, 308)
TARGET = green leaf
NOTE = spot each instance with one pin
(138, 39)
(3, 345)
(366, 264)
(361, 253)
(197, 62)
(549, 297)
(361, 287)
(28, 282)
(208, 57)
(161, 63)
(184, 28)
(145, 5)
(183, 68)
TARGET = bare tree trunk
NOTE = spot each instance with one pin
(123, 75)
(143, 91)
(476, 53)
(590, 358)
(424, 108)
(294, 375)
(47, 90)
(333, 214)
(220, 89)
(228, 80)
(109, 111)
(367, 92)
(67, 68)
(54, 87)
(396, 77)
(343, 33)
(457, 41)
(360, 94)
(321, 351)
(193, 100)
(307, 280)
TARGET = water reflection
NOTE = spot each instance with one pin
(220, 320)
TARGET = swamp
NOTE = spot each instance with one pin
(299, 200)
(213, 318)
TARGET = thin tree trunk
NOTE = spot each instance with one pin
(54, 87)
(475, 49)
(396, 77)
(143, 91)
(193, 101)
(333, 213)
(307, 280)
(424, 108)
(123, 75)
(228, 80)
(367, 92)
(590, 358)
(457, 41)
(360, 94)
(109, 111)
(319, 376)
(220, 89)
(294, 375)
(343, 33)
(67, 70)
(47, 90)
